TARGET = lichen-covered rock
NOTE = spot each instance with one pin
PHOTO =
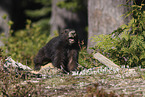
(15, 65)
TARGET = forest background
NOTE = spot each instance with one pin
(115, 28)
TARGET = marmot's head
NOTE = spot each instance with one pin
(70, 36)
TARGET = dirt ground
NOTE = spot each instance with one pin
(93, 82)
(122, 83)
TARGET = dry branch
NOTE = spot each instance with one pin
(105, 61)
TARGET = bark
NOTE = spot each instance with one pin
(5, 9)
(62, 18)
(104, 16)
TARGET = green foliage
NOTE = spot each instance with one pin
(73, 5)
(26, 43)
(39, 12)
(41, 15)
(23, 45)
(126, 45)
(86, 60)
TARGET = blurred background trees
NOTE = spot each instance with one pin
(35, 22)
(70, 14)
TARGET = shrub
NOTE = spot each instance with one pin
(86, 60)
(24, 44)
(126, 45)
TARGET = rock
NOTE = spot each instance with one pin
(11, 63)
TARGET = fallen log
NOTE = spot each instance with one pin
(105, 61)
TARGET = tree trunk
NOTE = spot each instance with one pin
(62, 18)
(104, 16)
(5, 9)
